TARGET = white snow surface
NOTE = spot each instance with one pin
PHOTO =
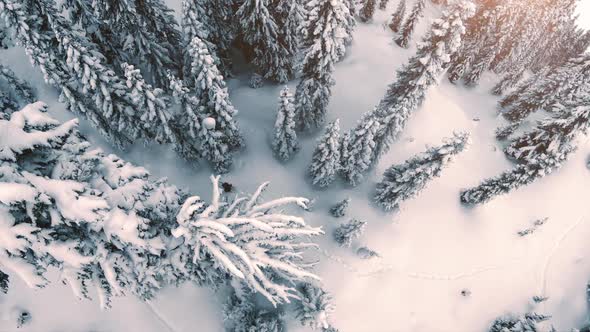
(430, 250)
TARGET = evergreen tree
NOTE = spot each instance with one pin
(78, 69)
(327, 25)
(383, 4)
(102, 222)
(140, 32)
(211, 91)
(21, 89)
(5, 40)
(367, 11)
(528, 322)
(540, 152)
(285, 143)
(240, 314)
(398, 16)
(315, 307)
(213, 23)
(249, 240)
(339, 210)
(326, 157)
(409, 25)
(405, 95)
(348, 232)
(404, 181)
(360, 150)
(543, 92)
(289, 16)
(261, 32)
(478, 27)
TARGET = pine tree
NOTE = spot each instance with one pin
(240, 314)
(21, 89)
(367, 11)
(405, 95)
(383, 4)
(327, 25)
(78, 69)
(261, 32)
(401, 182)
(285, 143)
(540, 152)
(478, 28)
(528, 322)
(249, 240)
(543, 92)
(398, 16)
(348, 232)
(100, 221)
(211, 91)
(339, 210)
(144, 33)
(289, 16)
(315, 307)
(409, 25)
(213, 23)
(326, 157)
(360, 150)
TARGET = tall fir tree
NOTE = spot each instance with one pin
(383, 4)
(405, 95)
(325, 161)
(324, 42)
(106, 225)
(359, 150)
(407, 29)
(315, 307)
(88, 86)
(143, 33)
(220, 135)
(261, 32)
(540, 152)
(289, 16)
(543, 91)
(404, 181)
(213, 22)
(398, 16)
(367, 11)
(285, 143)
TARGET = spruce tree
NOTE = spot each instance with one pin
(100, 221)
(261, 32)
(315, 307)
(241, 314)
(383, 4)
(360, 150)
(213, 23)
(407, 29)
(540, 152)
(21, 89)
(543, 92)
(398, 16)
(405, 95)
(326, 157)
(143, 33)
(211, 91)
(367, 11)
(88, 86)
(289, 16)
(528, 322)
(249, 240)
(285, 143)
(339, 210)
(348, 232)
(401, 182)
(327, 25)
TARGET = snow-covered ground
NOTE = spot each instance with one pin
(430, 251)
